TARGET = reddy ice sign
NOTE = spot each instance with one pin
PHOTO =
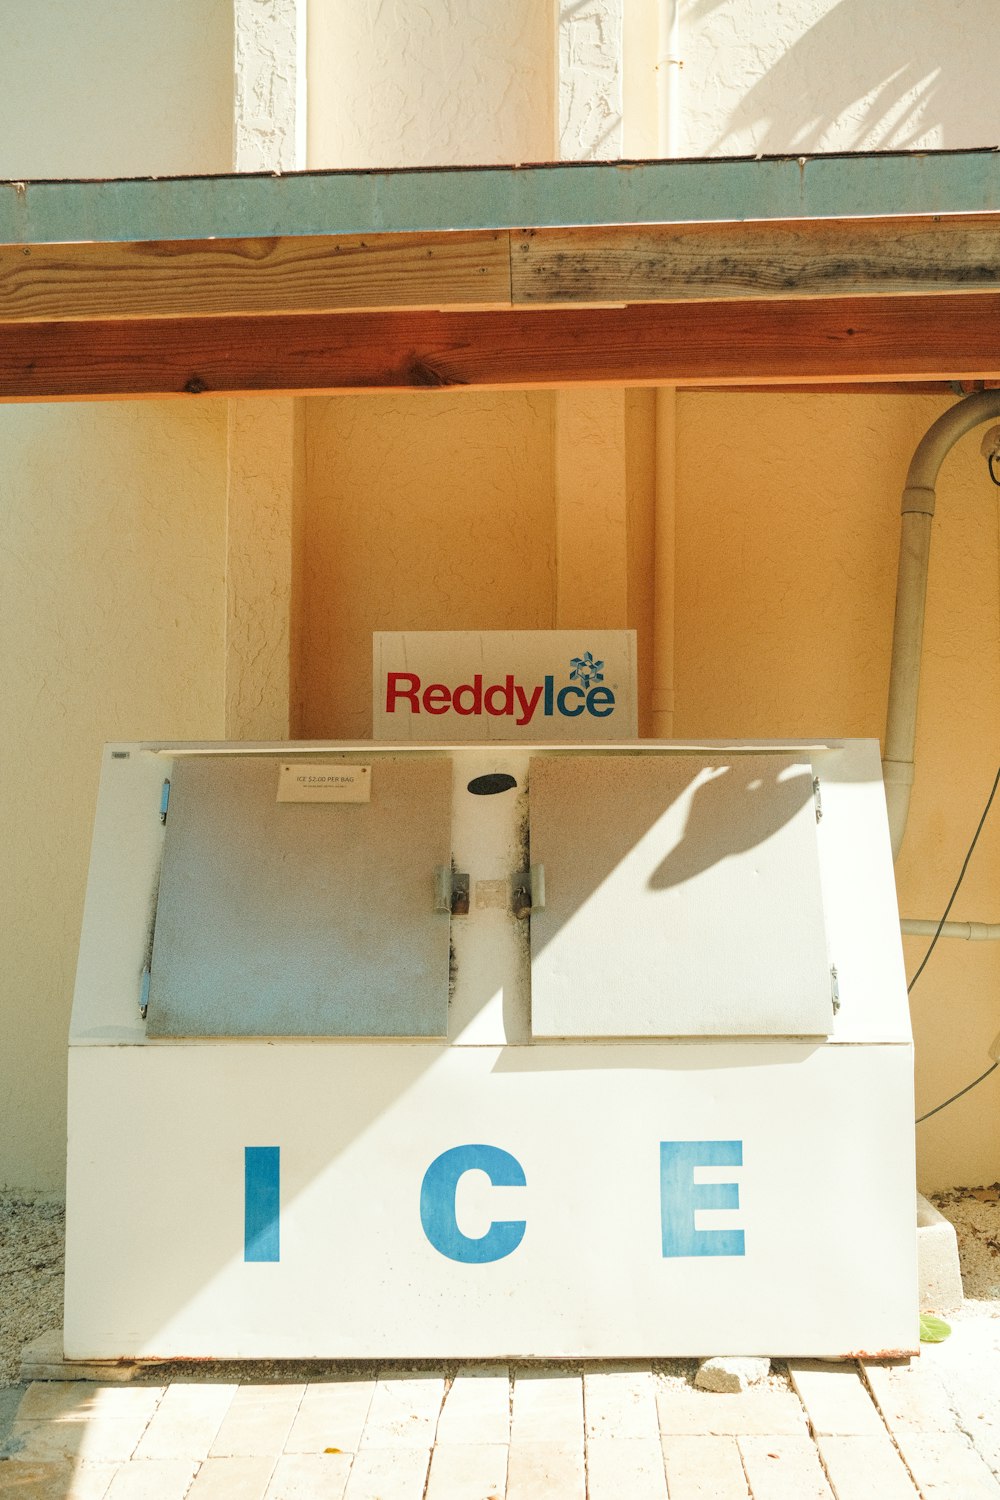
(530, 685)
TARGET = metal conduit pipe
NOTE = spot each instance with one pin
(971, 932)
(911, 593)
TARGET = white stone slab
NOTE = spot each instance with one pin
(784, 1468)
(860, 1467)
(460, 1471)
(404, 1413)
(186, 1421)
(548, 1408)
(388, 1474)
(836, 1399)
(704, 1468)
(541, 1471)
(630, 1466)
(620, 1403)
(332, 1414)
(476, 1408)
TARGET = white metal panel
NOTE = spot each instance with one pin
(490, 969)
(155, 1212)
(859, 895)
(682, 897)
(298, 919)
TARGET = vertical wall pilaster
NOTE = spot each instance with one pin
(590, 79)
(263, 435)
(262, 451)
(269, 116)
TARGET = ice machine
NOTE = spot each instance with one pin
(401, 1051)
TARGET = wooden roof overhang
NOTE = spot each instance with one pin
(813, 272)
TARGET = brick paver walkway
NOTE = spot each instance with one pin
(606, 1432)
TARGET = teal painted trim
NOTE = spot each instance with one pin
(430, 199)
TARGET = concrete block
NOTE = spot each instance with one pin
(42, 1359)
(731, 1373)
(937, 1259)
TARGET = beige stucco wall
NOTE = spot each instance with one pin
(115, 88)
(787, 534)
(422, 512)
(112, 525)
(413, 84)
(834, 75)
(112, 610)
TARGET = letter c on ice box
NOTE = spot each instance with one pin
(437, 1204)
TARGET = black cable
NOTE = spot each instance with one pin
(958, 882)
(961, 875)
(989, 464)
(968, 1086)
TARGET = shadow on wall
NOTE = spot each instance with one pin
(864, 76)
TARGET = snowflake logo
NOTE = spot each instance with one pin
(585, 670)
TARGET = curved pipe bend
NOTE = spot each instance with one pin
(911, 593)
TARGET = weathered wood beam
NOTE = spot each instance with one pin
(194, 278)
(492, 269)
(692, 262)
(909, 338)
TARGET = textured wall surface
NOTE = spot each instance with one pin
(111, 614)
(405, 83)
(787, 536)
(269, 85)
(114, 88)
(265, 454)
(422, 512)
(590, 79)
(835, 75)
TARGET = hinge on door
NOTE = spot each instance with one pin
(528, 891)
(818, 800)
(834, 988)
(451, 891)
(164, 801)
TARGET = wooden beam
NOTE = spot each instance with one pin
(492, 269)
(188, 278)
(748, 343)
(692, 262)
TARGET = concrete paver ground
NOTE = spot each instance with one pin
(605, 1431)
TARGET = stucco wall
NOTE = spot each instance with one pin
(421, 512)
(112, 610)
(115, 88)
(787, 536)
(411, 84)
(112, 520)
(834, 75)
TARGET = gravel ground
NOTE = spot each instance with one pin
(975, 1213)
(31, 1275)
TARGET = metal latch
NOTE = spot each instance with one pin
(528, 891)
(451, 891)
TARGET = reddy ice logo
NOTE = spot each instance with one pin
(405, 692)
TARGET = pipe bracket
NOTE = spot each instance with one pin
(919, 499)
(898, 772)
